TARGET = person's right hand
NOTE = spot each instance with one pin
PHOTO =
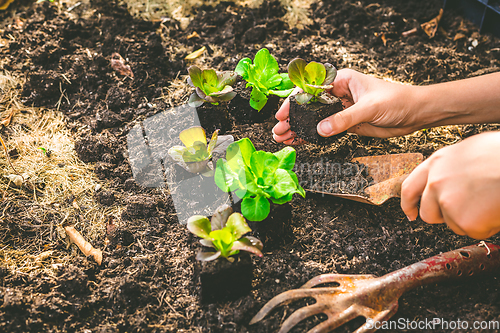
(458, 185)
(373, 107)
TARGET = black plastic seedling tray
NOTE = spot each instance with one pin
(484, 13)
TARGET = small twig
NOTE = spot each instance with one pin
(73, 7)
(7, 120)
(8, 158)
(409, 32)
(173, 309)
(140, 244)
(3, 212)
(161, 297)
(67, 80)
(83, 245)
(483, 243)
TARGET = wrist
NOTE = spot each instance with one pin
(433, 107)
(470, 101)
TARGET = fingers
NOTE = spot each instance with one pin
(289, 138)
(281, 131)
(295, 142)
(284, 137)
(281, 128)
(283, 112)
(430, 210)
(412, 190)
(453, 225)
(342, 121)
(416, 188)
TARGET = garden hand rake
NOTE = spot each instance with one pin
(376, 298)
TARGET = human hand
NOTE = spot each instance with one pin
(281, 131)
(373, 107)
(458, 185)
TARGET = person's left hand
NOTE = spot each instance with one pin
(281, 131)
(458, 185)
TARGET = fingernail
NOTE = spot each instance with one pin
(409, 219)
(325, 128)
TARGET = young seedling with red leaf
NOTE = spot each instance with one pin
(224, 232)
(313, 78)
(210, 86)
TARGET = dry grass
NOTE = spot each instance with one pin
(178, 92)
(297, 10)
(57, 189)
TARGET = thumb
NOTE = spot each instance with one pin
(343, 120)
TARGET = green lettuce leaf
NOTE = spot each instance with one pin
(262, 75)
(255, 209)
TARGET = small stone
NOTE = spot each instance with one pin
(15, 179)
(277, 280)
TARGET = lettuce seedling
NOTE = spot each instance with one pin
(262, 75)
(196, 153)
(257, 177)
(313, 78)
(210, 86)
(224, 233)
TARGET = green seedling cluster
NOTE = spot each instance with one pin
(224, 232)
(262, 75)
(257, 177)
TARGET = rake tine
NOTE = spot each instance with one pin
(285, 297)
(300, 315)
(327, 278)
(335, 320)
(378, 317)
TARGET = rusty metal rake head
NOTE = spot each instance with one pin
(376, 298)
(355, 296)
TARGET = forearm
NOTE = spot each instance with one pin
(470, 101)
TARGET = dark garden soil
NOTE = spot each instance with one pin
(146, 282)
(305, 117)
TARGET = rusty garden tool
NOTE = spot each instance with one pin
(376, 298)
(388, 173)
